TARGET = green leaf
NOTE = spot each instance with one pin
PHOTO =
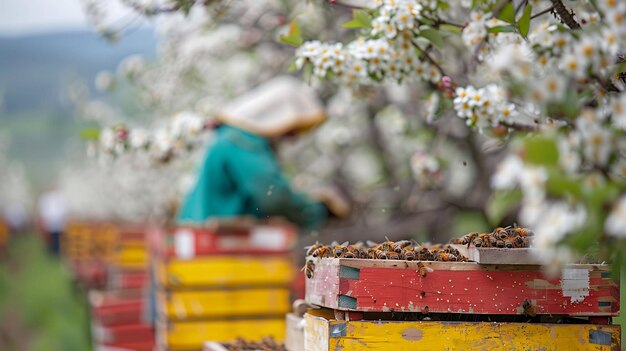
(559, 185)
(501, 203)
(293, 37)
(524, 22)
(498, 29)
(507, 14)
(451, 28)
(360, 19)
(92, 133)
(433, 36)
(469, 221)
(571, 104)
(540, 150)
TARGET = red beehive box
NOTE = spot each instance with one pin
(461, 287)
(123, 334)
(135, 346)
(188, 242)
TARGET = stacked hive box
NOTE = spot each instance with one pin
(88, 248)
(111, 262)
(220, 284)
(392, 304)
(4, 234)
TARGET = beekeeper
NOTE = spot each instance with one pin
(240, 174)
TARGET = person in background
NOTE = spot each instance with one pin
(52, 213)
(240, 175)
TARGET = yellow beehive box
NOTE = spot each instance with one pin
(131, 257)
(182, 305)
(323, 334)
(225, 271)
(182, 336)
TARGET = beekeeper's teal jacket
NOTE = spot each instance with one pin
(241, 176)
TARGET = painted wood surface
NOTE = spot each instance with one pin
(457, 287)
(495, 255)
(182, 336)
(181, 305)
(225, 271)
(188, 242)
(322, 334)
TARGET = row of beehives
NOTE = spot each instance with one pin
(219, 285)
(112, 267)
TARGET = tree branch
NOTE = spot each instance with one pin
(566, 16)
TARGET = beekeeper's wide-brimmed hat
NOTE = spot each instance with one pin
(275, 108)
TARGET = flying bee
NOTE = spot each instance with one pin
(398, 246)
(340, 250)
(309, 269)
(322, 251)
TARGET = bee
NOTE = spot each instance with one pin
(322, 251)
(423, 254)
(484, 240)
(312, 248)
(523, 232)
(518, 242)
(354, 251)
(309, 269)
(445, 257)
(501, 243)
(500, 233)
(376, 253)
(468, 238)
(340, 250)
(386, 246)
(409, 254)
(392, 255)
(398, 246)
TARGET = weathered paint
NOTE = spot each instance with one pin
(225, 271)
(452, 287)
(222, 303)
(192, 335)
(322, 334)
(189, 242)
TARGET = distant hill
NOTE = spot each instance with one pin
(34, 72)
(33, 69)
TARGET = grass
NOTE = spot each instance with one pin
(40, 308)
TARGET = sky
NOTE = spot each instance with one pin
(22, 17)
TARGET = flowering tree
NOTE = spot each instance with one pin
(15, 190)
(515, 113)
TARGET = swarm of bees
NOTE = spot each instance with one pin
(501, 237)
(388, 250)
(267, 344)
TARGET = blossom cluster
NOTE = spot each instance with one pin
(366, 61)
(388, 51)
(183, 133)
(485, 107)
